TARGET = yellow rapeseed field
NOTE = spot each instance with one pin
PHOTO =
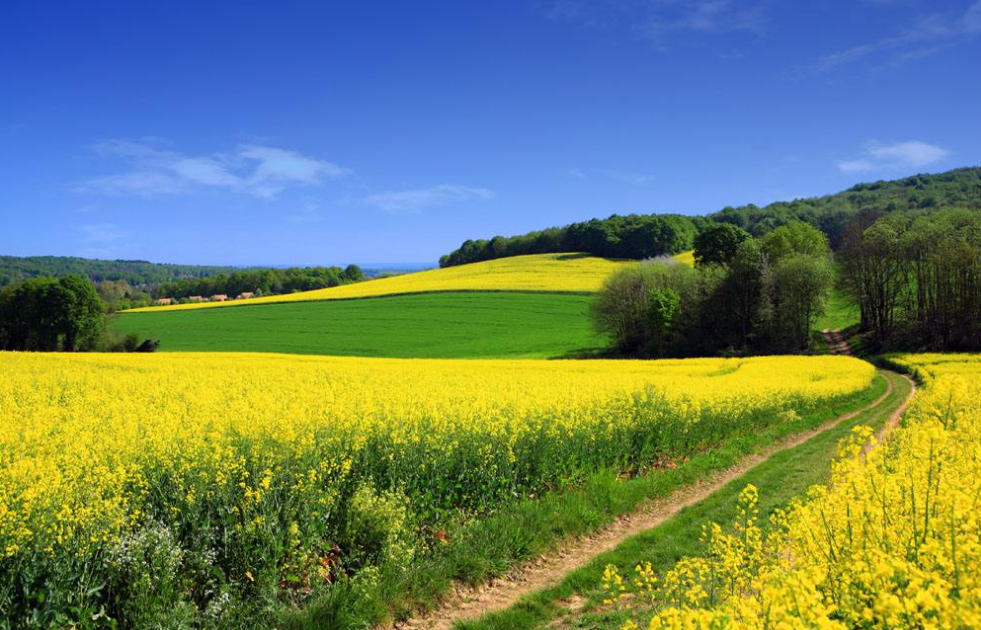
(894, 541)
(685, 258)
(254, 461)
(538, 272)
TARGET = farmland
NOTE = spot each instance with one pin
(431, 325)
(567, 273)
(893, 537)
(532, 307)
(240, 471)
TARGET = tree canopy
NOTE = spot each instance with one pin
(48, 314)
(648, 235)
(632, 236)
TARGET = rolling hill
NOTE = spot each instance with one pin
(526, 306)
(521, 307)
(560, 273)
(430, 325)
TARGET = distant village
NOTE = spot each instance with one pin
(218, 297)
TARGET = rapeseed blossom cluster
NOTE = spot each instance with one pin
(176, 471)
(893, 541)
(569, 273)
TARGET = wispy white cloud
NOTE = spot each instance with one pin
(704, 16)
(628, 177)
(154, 169)
(896, 156)
(307, 214)
(277, 168)
(926, 36)
(659, 20)
(415, 200)
(101, 233)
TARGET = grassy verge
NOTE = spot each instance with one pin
(784, 476)
(480, 550)
(840, 312)
(430, 325)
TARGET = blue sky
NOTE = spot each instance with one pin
(330, 132)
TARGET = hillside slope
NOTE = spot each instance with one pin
(636, 235)
(427, 325)
(563, 273)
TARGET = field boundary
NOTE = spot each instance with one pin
(233, 304)
(466, 603)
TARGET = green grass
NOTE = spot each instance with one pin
(436, 325)
(784, 476)
(486, 548)
(841, 312)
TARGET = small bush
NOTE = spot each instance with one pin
(378, 531)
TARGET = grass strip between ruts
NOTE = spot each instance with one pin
(488, 548)
(785, 475)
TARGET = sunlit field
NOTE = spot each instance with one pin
(181, 481)
(891, 542)
(432, 325)
(573, 273)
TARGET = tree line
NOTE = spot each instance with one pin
(916, 277)
(261, 281)
(745, 295)
(645, 236)
(136, 273)
(124, 284)
(833, 213)
(631, 236)
(58, 314)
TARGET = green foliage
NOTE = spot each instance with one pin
(783, 477)
(477, 551)
(477, 324)
(832, 213)
(916, 277)
(840, 312)
(794, 238)
(639, 307)
(800, 286)
(261, 281)
(123, 284)
(663, 319)
(745, 296)
(49, 314)
(717, 244)
(133, 272)
(645, 236)
(632, 236)
(379, 531)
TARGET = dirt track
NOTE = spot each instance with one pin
(468, 603)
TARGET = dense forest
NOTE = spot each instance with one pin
(646, 236)
(831, 214)
(745, 295)
(123, 284)
(631, 236)
(136, 273)
(916, 276)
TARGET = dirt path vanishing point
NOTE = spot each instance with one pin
(468, 603)
(836, 343)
